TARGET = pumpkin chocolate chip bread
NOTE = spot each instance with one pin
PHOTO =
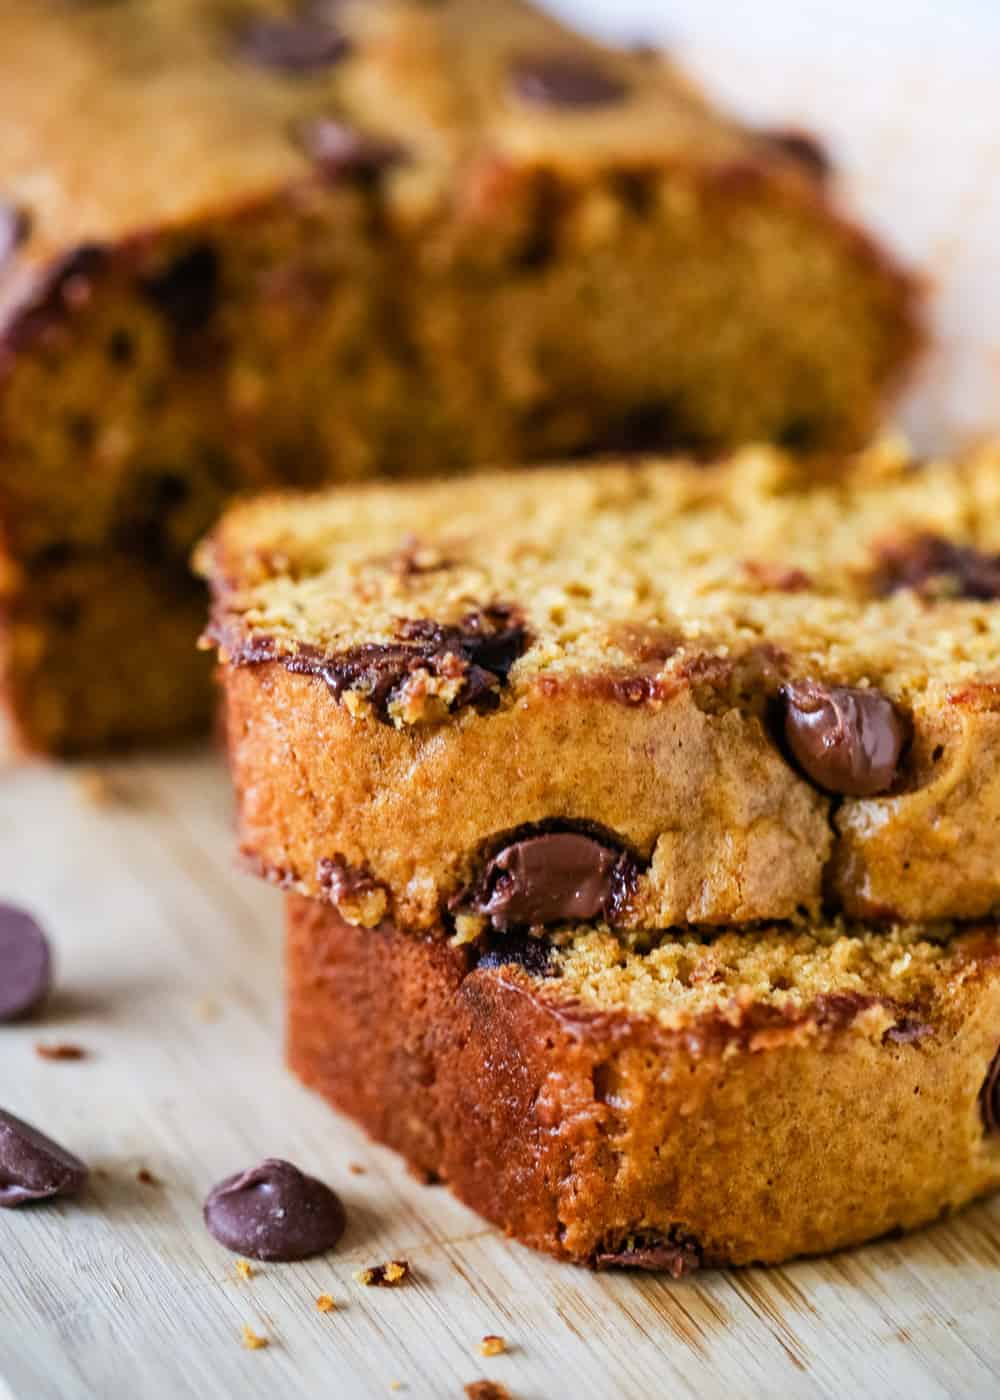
(247, 242)
(678, 1103)
(657, 694)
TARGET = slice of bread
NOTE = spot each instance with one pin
(743, 690)
(683, 1102)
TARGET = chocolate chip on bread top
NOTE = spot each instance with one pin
(253, 242)
(647, 695)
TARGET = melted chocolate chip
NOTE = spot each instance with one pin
(32, 1166)
(274, 1212)
(481, 650)
(25, 963)
(187, 290)
(555, 877)
(565, 80)
(848, 741)
(301, 44)
(343, 881)
(989, 1097)
(534, 955)
(14, 228)
(341, 150)
(803, 148)
(937, 567)
(677, 1257)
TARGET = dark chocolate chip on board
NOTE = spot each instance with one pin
(25, 963)
(274, 1212)
(847, 740)
(32, 1166)
(565, 80)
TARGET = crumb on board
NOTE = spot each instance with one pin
(252, 1340)
(356, 1169)
(147, 1178)
(492, 1345)
(395, 1385)
(95, 786)
(325, 1303)
(244, 1268)
(62, 1050)
(389, 1275)
(207, 1009)
(487, 1390)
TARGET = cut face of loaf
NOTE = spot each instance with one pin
(744, 1098)
(657, 694)
(248, 243)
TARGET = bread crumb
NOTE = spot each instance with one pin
(395, 1385)
(389, 1275)
(251, 1340)
(356, 1169)
(95, 787)
(207, 1009)
(245, 1269)
(146, 1178)
(468, 927)
(325, 1303)
(487, 1390)
(60, 1051)
(492, 1345)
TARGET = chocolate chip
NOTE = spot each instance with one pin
(481, 649)
(301, 44)
(273, 1211)
(989, 1097)
(14, 228)
(32, 1166)
(344, 881)
(341, 150)
(187, 290)
(803, 148)
(25, 963)
(559, 876)
(847, 740)
(534, 955)
(565, 80)
(938, 567)
(677, 1257)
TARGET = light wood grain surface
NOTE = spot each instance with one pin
(169, 975)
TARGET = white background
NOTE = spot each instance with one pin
(906, 95)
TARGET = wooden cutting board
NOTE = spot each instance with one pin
(169, 976)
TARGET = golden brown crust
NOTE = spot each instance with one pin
(746, 1136)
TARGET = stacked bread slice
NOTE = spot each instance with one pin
(641, 828)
